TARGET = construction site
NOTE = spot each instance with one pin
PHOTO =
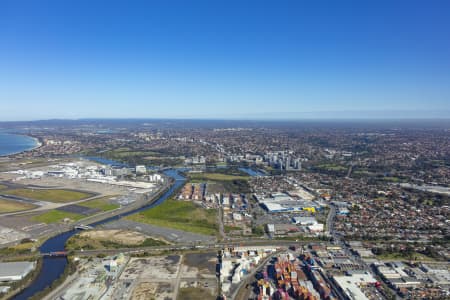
(184, 276)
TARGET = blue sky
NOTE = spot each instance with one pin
(224, 59)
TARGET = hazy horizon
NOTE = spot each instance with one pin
(276, 116)
(375, 119)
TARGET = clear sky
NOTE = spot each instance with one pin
(223, 59)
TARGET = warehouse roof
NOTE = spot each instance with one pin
(15, 268)
(350, 285)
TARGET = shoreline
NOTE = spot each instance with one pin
(37, 144)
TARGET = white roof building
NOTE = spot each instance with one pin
(350, 285)
(237, 217)
(305, 220)
(141, 169)
(281, 202)
(316, 227)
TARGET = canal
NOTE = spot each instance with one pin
(53, 267)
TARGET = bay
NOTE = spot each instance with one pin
(14, 143)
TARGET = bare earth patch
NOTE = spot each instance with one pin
(121, 236)
(144, 291)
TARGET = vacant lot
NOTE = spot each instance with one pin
(180, 215)
(22, 248)
(215, 177)
(221, 182)
(100, 203)
(50, 195)
(101, 239)
(192, 293)
(206, 262)
(55, 216)
(7, 206)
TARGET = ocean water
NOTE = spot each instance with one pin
(13, 143)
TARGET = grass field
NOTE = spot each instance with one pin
(401, 256)
(7, 206)
(222, 183)
(127, 152)
(55, 216)
(19, 249)
(138, 157)
(392, 179)
(180, 215)
(100, 203)
(53, 195)
(2, 186)
(228, 228)
(216, 177)
(362, 173)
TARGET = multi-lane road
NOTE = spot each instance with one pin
(190, 246)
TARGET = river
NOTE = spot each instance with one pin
(253, 172)
(53, 267)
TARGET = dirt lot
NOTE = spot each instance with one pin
(144, 291)
(152, 277)
(194, 293)
(151, 290)
(121, 236)
(201, 261)
(198, 279)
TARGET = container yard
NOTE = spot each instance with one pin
(290, 276)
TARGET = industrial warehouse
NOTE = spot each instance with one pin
(15, 271)
(282, 203)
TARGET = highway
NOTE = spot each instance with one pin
(182, 247)
(330, 220)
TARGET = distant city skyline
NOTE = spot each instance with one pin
(224, 60)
